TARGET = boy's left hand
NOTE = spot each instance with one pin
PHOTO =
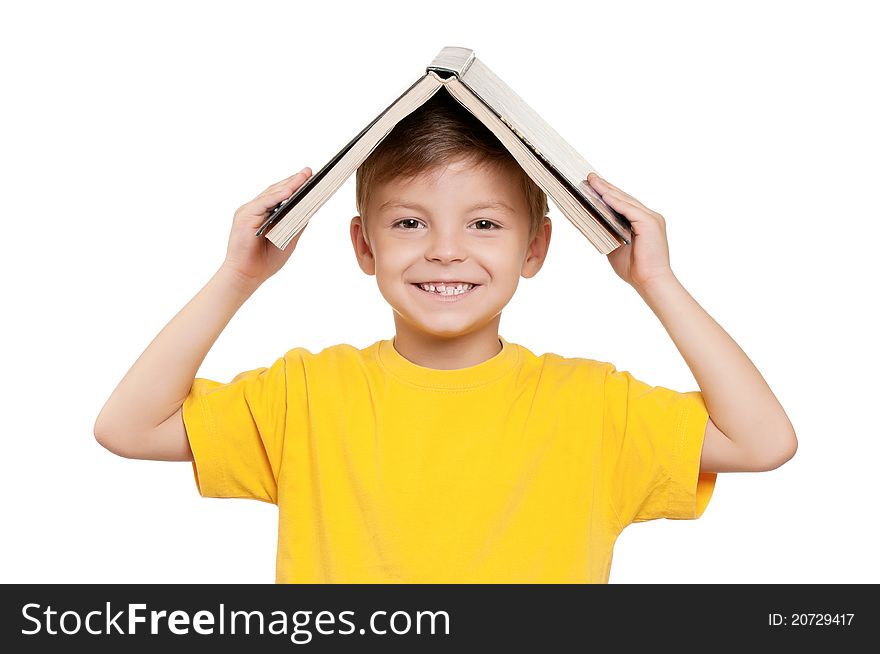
(646, 258)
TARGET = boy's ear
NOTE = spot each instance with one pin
(360, 240)
(537, 251)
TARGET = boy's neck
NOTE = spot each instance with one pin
(463, 351)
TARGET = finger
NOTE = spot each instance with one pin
(604, 185)
(303, 174)
(610, 196)
(294, 180)
(645, 211)
(285, 186)
(268, 200)
(637, 216)
(601, 185)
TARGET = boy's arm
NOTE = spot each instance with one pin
(143, 417)
(747, 428)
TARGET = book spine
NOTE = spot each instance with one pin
(452, 61)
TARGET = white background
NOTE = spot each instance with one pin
(131, 133)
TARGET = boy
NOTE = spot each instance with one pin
(448, 454)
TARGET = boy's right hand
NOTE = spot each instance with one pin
(255, 259)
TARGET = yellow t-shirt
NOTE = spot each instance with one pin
(522, 469)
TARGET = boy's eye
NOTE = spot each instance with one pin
(483, 220)
(410, 221)
(405, 220)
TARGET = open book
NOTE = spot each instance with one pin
(542, 153)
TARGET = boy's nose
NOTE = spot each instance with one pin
(446, 245)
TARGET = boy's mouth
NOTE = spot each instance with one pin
(446, 289)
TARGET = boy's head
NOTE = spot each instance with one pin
(419, 196)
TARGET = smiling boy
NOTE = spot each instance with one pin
(448, 454)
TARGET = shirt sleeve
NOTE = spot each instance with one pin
(236, 431)
(653, 439)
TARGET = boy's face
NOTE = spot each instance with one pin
(431, 228)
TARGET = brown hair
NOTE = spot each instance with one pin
(440, 131)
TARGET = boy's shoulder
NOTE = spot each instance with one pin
(329, 352)
(562, 362)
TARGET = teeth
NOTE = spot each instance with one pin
(442, 289)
